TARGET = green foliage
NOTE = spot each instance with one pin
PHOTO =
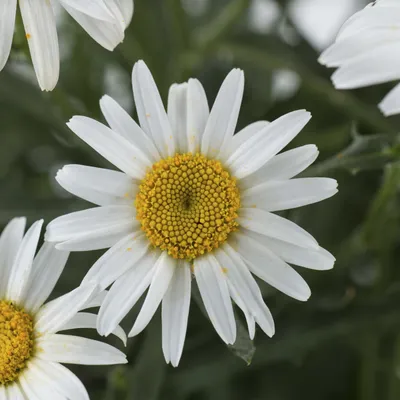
(343, 343)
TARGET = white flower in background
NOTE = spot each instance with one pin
(192, 198)
(104, 20)
(366, 51)
(30, 347)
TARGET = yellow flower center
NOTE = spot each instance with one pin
(16, 341)
(187, 205)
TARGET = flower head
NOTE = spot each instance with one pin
(366, 51)
(192, 200)
(104, 21)
(30, 346)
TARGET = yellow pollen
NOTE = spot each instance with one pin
(187, 205)
(16, 341)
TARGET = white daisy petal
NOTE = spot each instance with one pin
(164, 271)
(224, 115)
(239, 277)
(261, 147)
(46, 270)
(112, 146)
(14, 392)
(55, 314)
(126, 7)
(272, 225)
(245, 134)
(270, 268)
(390, 105)
(60, 379)
(94, 8)
(3, 393)
(121, 122)
(34, 386)
(40, 27)
(21, 269)
(119, 259)
(93, 222)
(69, 349)
(284, 195)
(152, 116)
(197, 114)
(175, 313)
(7, 21)
(319, 259)
(97, 185)
(214, 291)
(107, 34)
(124, 294)
(10, 241)
(177, 114)
(283, 166)
(83, 320)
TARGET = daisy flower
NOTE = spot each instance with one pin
(104, 21)
(192, 199)
(366, 51)
(30, 346)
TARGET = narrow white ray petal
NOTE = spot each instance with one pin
(198, 113)
(40, 28)
(112, 146)
(370, 18)
(21, 270)
(84, 320)
(95, 301)
(353, 46)
(285, 195)
(14, 392)
(175, 313)
(3, 393)
(213, 287)
(368, 69)
(319, 259)
(121, 122)
(10, 241)
(126, 7)
(270, 268)
(99, 186)
(240, 278)
(93, 8)
(60, 379)
(119, 259)
(46, 270)
(272, 225)
(152, 116)
(7, 22)
(34, 386)
(177, 114)
(251, 322)
(224, 114)
(164, 271)
(76, 224)
(55, 314)
(69, 349)
(283, 166)
(107, 34)
(390, 105)
(261, 147)
(245, 134)
(124, 294)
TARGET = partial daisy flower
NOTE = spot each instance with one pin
(192, 199)
(104, 21)
(31, 349)
(366, 51)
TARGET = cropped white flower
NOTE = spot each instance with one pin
(366, 51)
(104, 21)
(191, 198)
(30, 347)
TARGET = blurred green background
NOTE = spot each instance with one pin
(344, 342)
